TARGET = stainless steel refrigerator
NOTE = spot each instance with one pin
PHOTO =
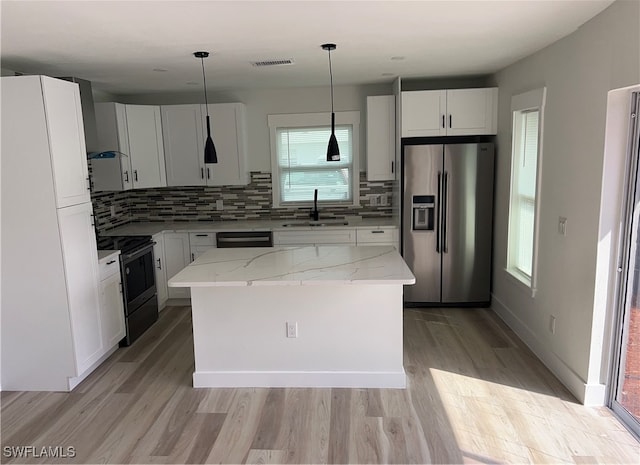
(447, 220)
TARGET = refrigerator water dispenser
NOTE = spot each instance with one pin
(423, 212)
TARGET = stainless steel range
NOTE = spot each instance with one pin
(138, 282)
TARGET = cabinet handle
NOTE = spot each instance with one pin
(202, 235)
(202, 173)
(135, 175)
(93, 220)
(377, 232)
(443, 121)
(111, 262)
(208, 173)
(159, 264)
(192, 257)
(88, 184)
(126, 176)
(392, 168)
(449, 121)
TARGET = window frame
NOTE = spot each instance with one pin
(521, 104)
(302, 120)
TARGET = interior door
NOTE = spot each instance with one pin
(422, 168)
(467, 222)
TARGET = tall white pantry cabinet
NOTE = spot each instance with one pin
(51, 329)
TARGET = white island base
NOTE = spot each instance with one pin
(349, 322)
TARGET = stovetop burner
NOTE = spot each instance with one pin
(126, 244)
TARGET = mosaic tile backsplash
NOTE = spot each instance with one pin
(239, 203)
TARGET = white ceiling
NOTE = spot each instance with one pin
(120, 45)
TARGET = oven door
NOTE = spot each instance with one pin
(138, 278)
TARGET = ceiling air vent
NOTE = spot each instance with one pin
(283, 62)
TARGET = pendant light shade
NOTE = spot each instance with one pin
(333, 151)
(210, 155)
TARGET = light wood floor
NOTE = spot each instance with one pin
(475, 395)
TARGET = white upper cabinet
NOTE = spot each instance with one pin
(136, 132)
(228, 131)
(454, 112)
(381, 133)
(66, 141)
(182, 132)
(424, 113)
(146, 149)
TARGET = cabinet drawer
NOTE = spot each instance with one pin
(327, 236)
(109, 267)
(202, 238)
(377, 235)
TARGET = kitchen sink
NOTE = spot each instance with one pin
(316, 223)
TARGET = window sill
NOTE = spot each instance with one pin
(522, 282)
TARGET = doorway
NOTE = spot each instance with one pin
(625, 393)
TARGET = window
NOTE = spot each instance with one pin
(527, 110)
(298, 159)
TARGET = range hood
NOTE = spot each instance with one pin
(88, 113)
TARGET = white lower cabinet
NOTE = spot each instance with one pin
(341, 236)
(111, 303)
(160, 268)
(387, 235)
(200, 242)
(177, 256)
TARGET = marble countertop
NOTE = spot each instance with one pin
(281, 266)
(104, 255)
(151, 228)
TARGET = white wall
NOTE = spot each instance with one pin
(578, 71)
(263, 102)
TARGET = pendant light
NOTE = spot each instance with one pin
(333, 151)
(210, 155)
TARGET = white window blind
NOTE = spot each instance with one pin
(302, 164)
(525, 188)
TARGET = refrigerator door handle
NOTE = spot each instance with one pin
(445, 205)
(438, 212)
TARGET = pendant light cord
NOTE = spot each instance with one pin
(331, 80)
(204, 78)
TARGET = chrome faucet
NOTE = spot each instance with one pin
(314, 213)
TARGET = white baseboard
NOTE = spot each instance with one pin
(587, 394)
(73, 382)
(320, 379)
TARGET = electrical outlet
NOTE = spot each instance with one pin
(562, 225)
(219, 205)
(112, 209)
(373, 200)
(552, 324)
(292, 329)
(383, 200)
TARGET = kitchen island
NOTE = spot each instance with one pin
(326, 316)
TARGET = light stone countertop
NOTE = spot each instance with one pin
(151, 228)
(105, 255)
(282, 266)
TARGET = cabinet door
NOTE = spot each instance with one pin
(161, 272)
(183, 144)
(381, 133)
(112, 310)
(111, 174)
(471, 111)
(198, 250)
(176, 252)
(66, 141)
(80, 258)
(423, 113)
(229, 137)
(338, 236)
(146, 150)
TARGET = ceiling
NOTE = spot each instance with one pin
(127, 47)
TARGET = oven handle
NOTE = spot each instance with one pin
(138, 253)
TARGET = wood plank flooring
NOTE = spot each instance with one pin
(475, 394)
